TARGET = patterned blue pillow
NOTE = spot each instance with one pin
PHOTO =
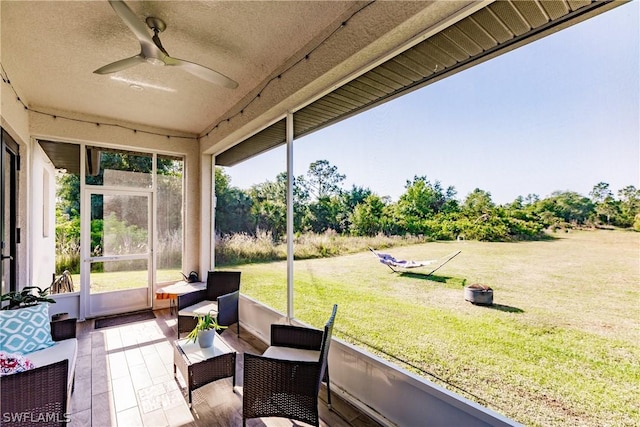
(25, 330)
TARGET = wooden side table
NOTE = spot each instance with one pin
(200, 366)
(171, 292)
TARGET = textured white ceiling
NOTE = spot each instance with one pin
(50, 49)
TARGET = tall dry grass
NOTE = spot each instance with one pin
(242, 248)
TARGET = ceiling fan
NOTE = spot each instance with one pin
(152, 51)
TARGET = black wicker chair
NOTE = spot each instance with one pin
(285, 380)
(40, 395)
(222, 291)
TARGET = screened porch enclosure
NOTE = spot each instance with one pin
(118, 224)
(137, 205)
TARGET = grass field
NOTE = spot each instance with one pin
(115, 281)
(560, 346)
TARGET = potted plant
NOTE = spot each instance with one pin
(205, 330)
(25, 298)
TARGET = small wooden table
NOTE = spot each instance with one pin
(200, 366)
(172, 292)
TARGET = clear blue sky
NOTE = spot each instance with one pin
(561, 113)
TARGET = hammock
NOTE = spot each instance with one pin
(394, 264)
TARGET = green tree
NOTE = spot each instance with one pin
(119, 161)
(323, 214)
(368, 217)
(300, 200)
(629, 206)
(531, 199)
(605, 205)
(233, 207)
(322, 187)
(269, 206)
(68, 194)
(565, 208)
(67, 222)
(478, 204)
(607, 211)
(600, 193)
(348, 202)
(422, 199)
(421, 208)
(323, 180)
(517, 204)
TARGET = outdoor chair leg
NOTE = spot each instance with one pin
(328, 388)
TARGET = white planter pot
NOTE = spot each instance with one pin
(205, 338)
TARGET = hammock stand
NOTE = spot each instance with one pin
(395, 264)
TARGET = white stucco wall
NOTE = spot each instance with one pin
(42, 218)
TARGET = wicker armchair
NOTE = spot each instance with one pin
(221, 296)
(40, 395)
(285, 380)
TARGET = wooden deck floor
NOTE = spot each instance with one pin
(124, 377)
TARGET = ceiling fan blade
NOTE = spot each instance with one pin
(132, 21)
(202, 72)
(123, 64)
(152, 50)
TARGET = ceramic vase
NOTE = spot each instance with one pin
(205, 338)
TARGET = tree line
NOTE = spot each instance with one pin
(320, 203)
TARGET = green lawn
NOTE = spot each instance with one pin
(114, 281)
(559, 347)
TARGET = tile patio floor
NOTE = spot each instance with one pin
(124, 377)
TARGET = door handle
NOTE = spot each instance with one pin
(3, 257)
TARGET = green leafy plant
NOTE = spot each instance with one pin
(26, 297)
(205, 323)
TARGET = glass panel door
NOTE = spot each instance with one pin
(120, 258)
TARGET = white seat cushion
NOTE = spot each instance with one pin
(65, 349)
(200, 309)
(287, 353)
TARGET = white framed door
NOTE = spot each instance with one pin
(120, 250)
